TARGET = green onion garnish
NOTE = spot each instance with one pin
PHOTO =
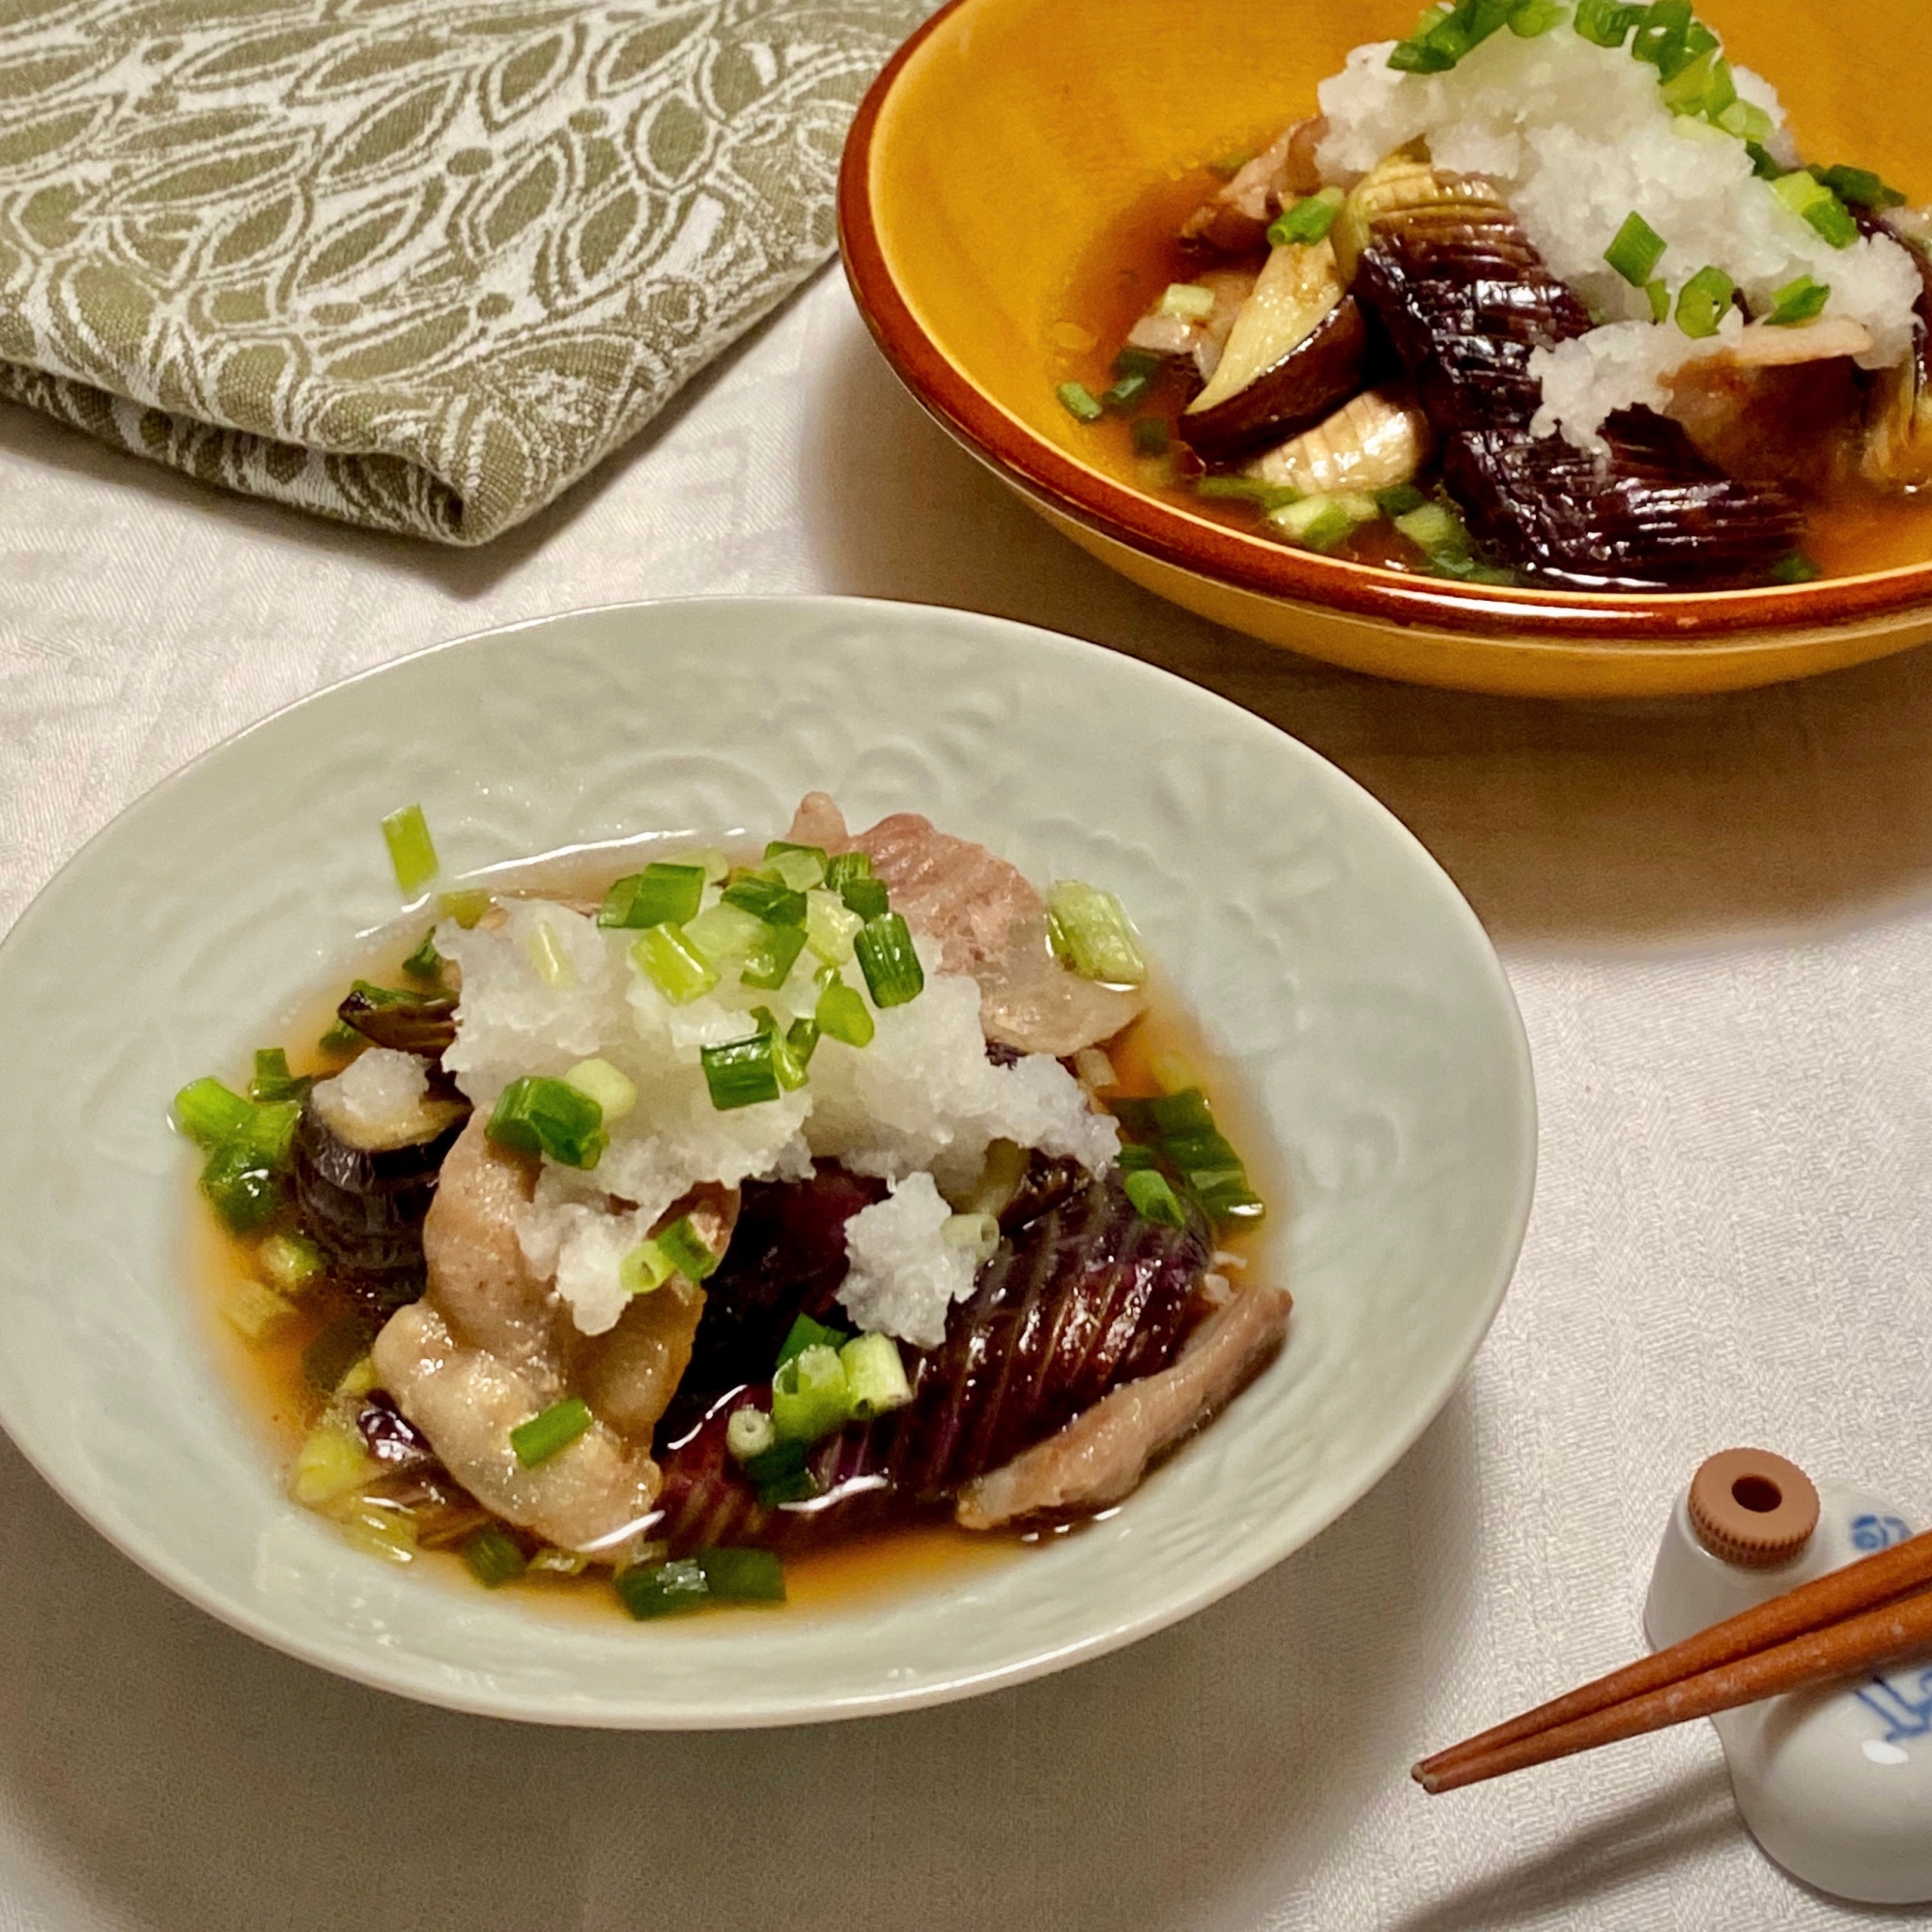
(556, 1429)
(741, 1073)
(341, 1037)
(1089, 930)
(770, 962)
(1860, 186)
(830, 927)
(1186, 302)
(1154, 1198)
(781, 1474)
(1703, 301)
(208, 1113)
(1308, 221)
(548, 956)
(242, 1187)
(1077, 399)
(412, 851)
(1399, 499)
(1807, 197)
(802, 867)
(868, 897)
(661, 894)
(806, 1333)
(1318, 523)
(1125, 393)
(767, 899)
(1797, 568)
(668, 960)
(1607, 23)
(663, 1589)
(725, 934)
(1133, 1154)
(1702, 87)
(1436, 530)
(686, 1249)
(273, 1079)
(1798, 301)
(612, 1090)
(539, 1116)
(425, 962)
(336, 1351)
(1749, 123)
(1448, 32)
(749, 1433)
(1637, 251)
(742, 1576)
(465, 908)
(495, 1557)
(1533, 18)
(289, 1262)
(889, 961)
(1670, 37)
(1228, 166)
(876, 1376)
(809, 1396)
(1658, 293)
(1150, 436)
(801, 1042)
(1239, 489)
(845, 867)
(645, 1269)
(843, 1015)
(1765, 165)
(1176, 1134)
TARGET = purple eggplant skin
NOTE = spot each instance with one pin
(365, 1209)
(1654, 516)
(407, 1020)
(1084, 1297)
(1306, 385)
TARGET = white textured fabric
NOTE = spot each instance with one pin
(1719, 919)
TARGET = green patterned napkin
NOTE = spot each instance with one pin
(414, 263)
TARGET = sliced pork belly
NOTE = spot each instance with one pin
(989, 923)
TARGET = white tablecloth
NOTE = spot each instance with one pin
(1717, 916)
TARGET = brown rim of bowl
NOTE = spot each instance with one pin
(1213, 551)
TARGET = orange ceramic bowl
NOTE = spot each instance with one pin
(1009, 138)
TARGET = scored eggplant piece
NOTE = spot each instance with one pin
(1652, 515)
(1374, 441)
(408, 1019)
(368, 1149)
(1296, 350)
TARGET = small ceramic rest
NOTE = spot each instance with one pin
(1835, 1783)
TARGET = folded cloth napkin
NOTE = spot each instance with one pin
(414, 263)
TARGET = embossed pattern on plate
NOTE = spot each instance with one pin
(1328, 955)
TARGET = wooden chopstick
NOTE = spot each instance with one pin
(1849, 1620)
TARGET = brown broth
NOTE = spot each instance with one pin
(267, 1379)
(1853, 529)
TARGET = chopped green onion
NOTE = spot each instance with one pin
(772, 959)
(889, 961)
(1308, 221)
(645, 1269)
(552, 1431)
(809, 1396)
(1808, 198)
(1704, 87)
(1125, 393)
(548, 956)
(613, 1091)
(1230, 165)
(290, 1262)
(1703, 302)
(781, 1474)
(1607, 23)
(1798, 301)
(830, 927)
(806, 1333)
(1765, 165)
(770, 900)
(842, 1013)
(741, 1073)
(1133, 1154)
(1185, 301)
(208, 1113)
(425, 962)
(1318, 522)
(726, 935)
(1435, 529)
(801, 1042)
(465, 908)
(1154, 1198)
(868, 897)
(1399, 499)
(536, 1115)
(742, 1576)
(336, 1351)
(661, 894)
(495, 1557)
(1749, 121)
(341, 1037)
(333, 1461)
(686, 1251)
(1637, 251)
(875, 1377)
(254, 1310)
(1246, 490)
(1150, 436)
(1669, 37)
(1658, 293)
(749, 1433)
(1077, 400)
(242, 1187)
(412, 851)
(663, 1589)
(800, 866)
(1797, 568)
(1089, 930)
(1860, 186)
(844, 866)
(668, 960)
(1533, 18)
(977, 1235)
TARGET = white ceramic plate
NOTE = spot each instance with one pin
(1331, 959)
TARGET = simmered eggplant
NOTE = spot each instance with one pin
(366, 1156)
(408, 1019)
(1296, 351)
